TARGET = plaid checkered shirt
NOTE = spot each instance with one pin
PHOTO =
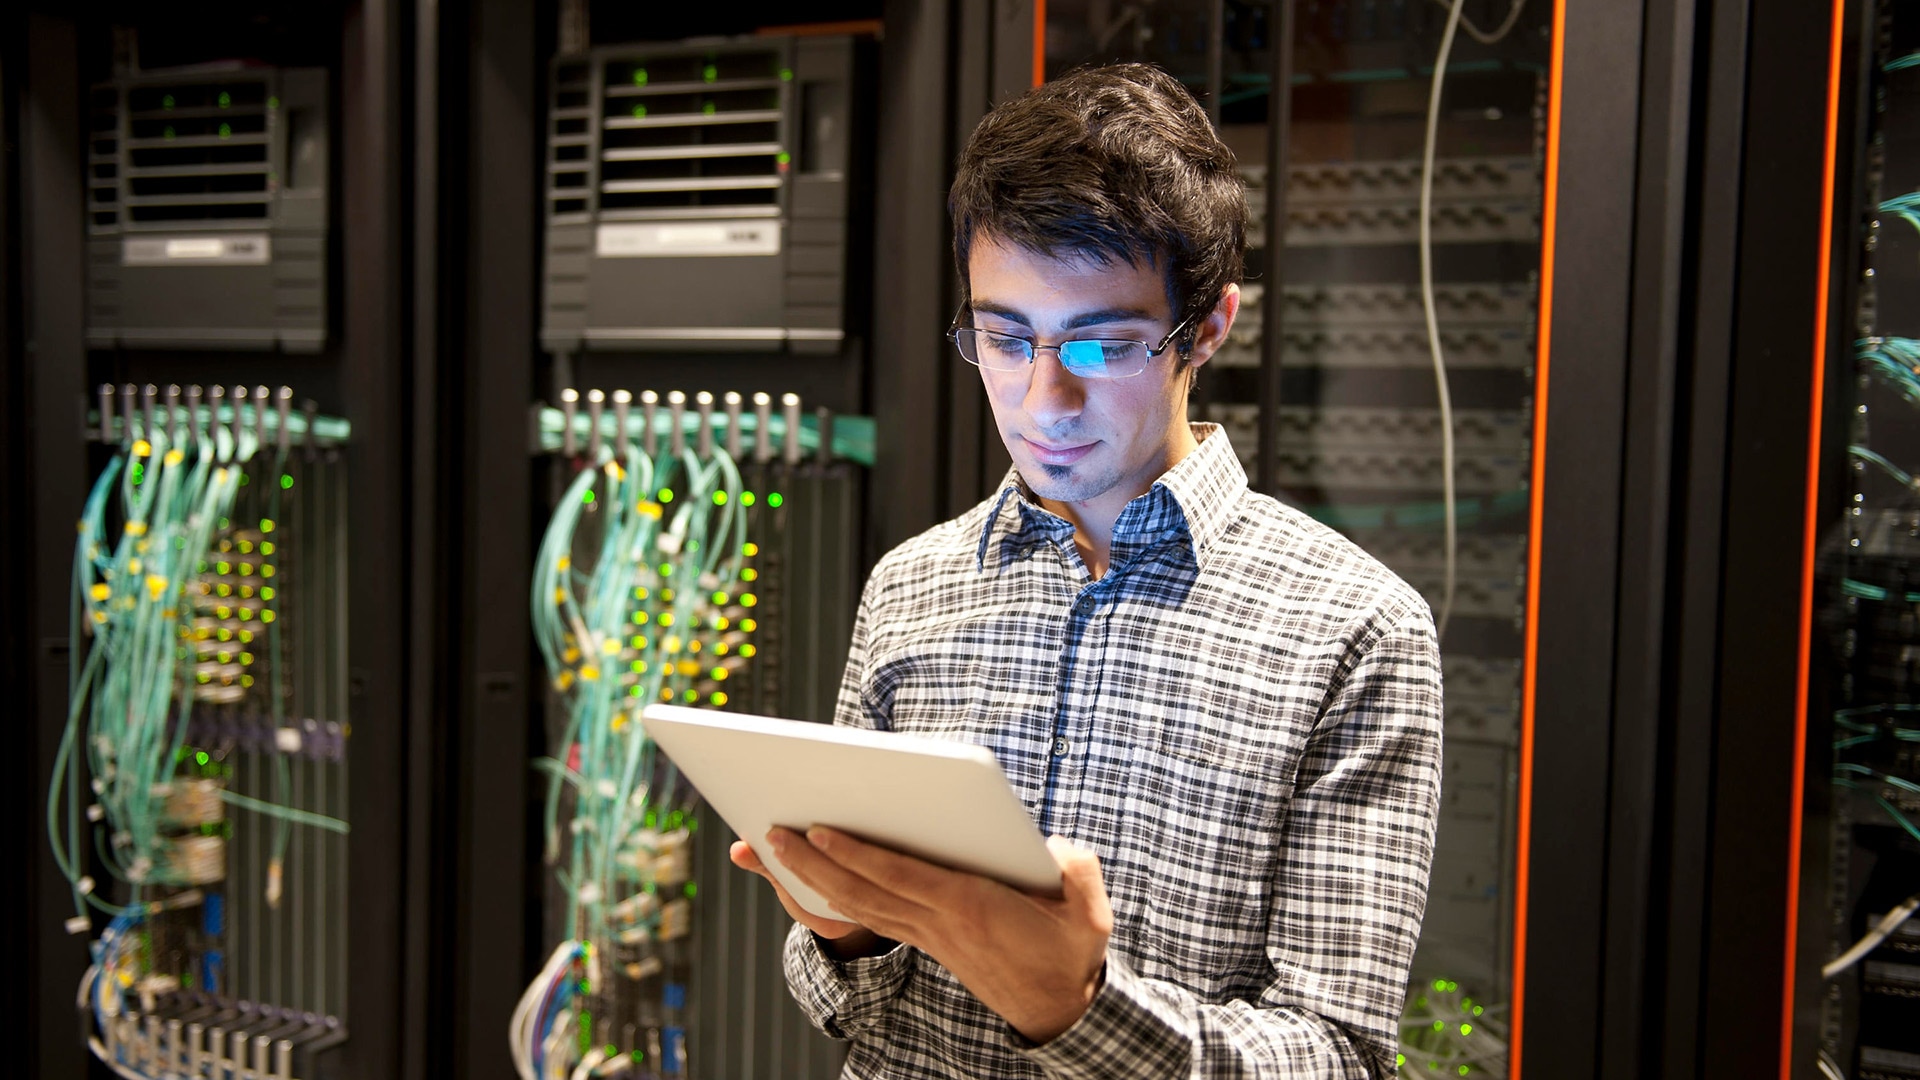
(1241, 718)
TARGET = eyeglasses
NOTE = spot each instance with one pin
(1088, 358)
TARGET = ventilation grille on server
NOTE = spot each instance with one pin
(196, 154)
(692, 135)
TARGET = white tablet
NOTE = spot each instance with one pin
(945, 802)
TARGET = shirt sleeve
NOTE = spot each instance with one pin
(845, 999)
(1349, 893)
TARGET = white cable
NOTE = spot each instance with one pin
(1481, 36)
(1880, 932)
(1828, 1068)
(520, 1027)
(1433, 320)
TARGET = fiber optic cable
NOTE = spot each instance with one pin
(1452, 524)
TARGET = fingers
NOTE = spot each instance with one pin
(744, 857)
(837, 867)
(901, 875)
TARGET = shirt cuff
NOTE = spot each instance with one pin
(1119, 1035)
(850, 994)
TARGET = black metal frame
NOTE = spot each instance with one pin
(1726, 762)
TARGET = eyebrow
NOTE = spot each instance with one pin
(1078, 321)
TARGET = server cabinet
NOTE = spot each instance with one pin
(291, 654)
(1814, 856)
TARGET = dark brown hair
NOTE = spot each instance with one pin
(1107, 163)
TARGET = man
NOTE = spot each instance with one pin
(1226, 716)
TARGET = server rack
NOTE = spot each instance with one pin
(1808, 832)
(59, 56)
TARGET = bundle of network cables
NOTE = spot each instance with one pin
(174, 605)
(642, 593)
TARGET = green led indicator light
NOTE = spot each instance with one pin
(225, 100)
(1400, 1059)
(746, 498)
(286, 481)
(783, 157)
(692, 890)
(226, 131)
(786, 74)
(639, 76)
(1466, 1029)
(167, 132)
(719, 498)
(666, 495)
(1439, 1025)
(707, 109)
(273, 103)
(200, 757)
(710, 73)
(639, 112)
(167, 102)
(692, 696)
(588, 497)
(775, 500)
(1465, 1069)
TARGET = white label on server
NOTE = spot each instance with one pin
(682, 238)
(241, 249)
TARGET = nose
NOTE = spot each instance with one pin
(1054, 395)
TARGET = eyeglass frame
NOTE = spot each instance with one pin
(1034, 347)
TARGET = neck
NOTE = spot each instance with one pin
(1093, 519)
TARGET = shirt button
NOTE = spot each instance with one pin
(1083, 606)
(1060, 748)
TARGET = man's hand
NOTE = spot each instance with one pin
(1034, 960)
(844, 940)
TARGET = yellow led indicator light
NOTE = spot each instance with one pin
(142, 448)
(717, 698)
(748, 599)
(747, 498)
(749, 549)
(666, 618)
(749, 574)
(101, 591)
(719, 498)
(719, 674)
(748, 651)
(139, 528)
(721, 622)
(749, 625)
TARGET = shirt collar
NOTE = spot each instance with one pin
(1199, 495)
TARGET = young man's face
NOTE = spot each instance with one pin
(1095, 443)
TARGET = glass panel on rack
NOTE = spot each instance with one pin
(1377, 363)
(1863, 749)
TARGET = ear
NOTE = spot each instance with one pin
(1213, 329)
